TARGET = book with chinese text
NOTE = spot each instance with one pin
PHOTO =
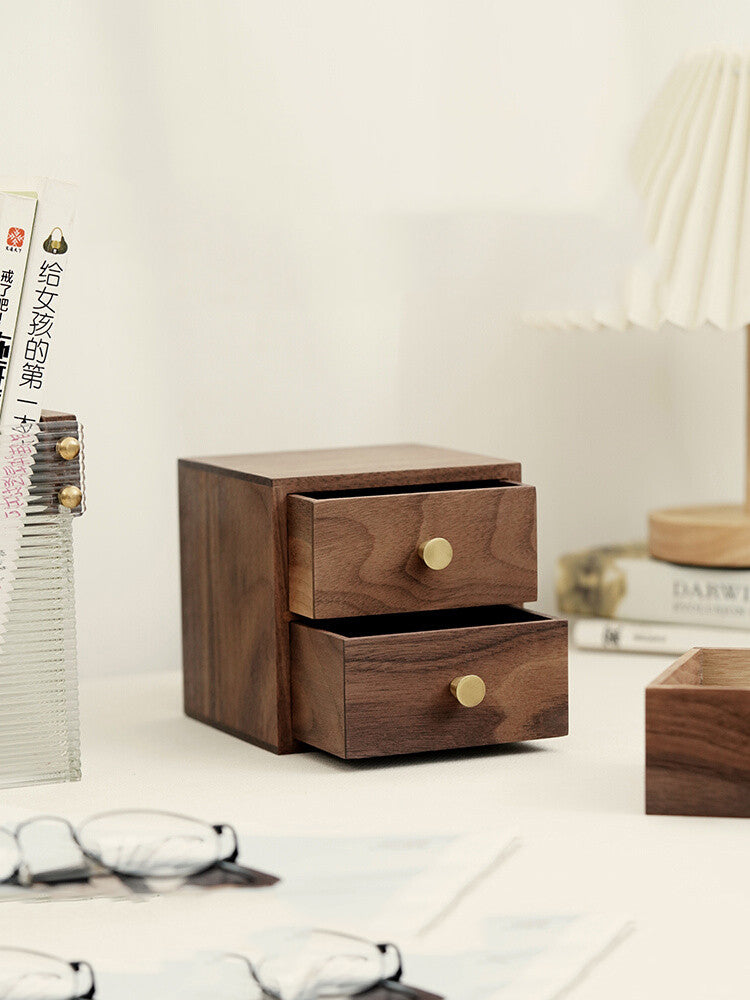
(48, 259)
(17, 213)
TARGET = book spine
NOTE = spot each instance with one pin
(646, 637)
(40, 303)
(16, 226)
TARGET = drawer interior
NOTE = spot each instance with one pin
(427, 621)
(387, 491)
(709, 668)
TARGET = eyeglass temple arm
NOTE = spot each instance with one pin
(79, 967)
(394, 984)
(384, 949)
(75, 873)
(229, 863)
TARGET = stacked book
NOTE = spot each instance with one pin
(625, 600)
(39, 733)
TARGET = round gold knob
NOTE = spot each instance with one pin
(436, 553)
(68, 448)
(469, 691)
(70, 496)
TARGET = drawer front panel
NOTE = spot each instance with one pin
(360, 555)
(368, 696)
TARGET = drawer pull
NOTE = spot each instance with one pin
(469, 691)
(436, 553)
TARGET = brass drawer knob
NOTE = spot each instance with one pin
(436, 553)
(469, 691)
(70, 497)
(68, 448)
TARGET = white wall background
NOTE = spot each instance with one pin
(315, 224)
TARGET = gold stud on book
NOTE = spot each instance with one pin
(68, 448)
(70, 497)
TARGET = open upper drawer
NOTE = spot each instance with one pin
(377, 551)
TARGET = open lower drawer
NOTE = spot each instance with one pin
(367, 687)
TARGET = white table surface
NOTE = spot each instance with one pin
(577, 804)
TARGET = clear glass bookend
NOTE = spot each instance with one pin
(41, 493)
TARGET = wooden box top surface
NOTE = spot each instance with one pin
(702, 668)
(393, 464)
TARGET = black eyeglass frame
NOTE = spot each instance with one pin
(70, 874)
(77, 968)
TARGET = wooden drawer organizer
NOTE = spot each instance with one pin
(349, 600)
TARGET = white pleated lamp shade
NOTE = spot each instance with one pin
(691, 167)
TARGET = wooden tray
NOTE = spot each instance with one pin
(698, 735)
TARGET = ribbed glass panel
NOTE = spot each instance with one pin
(39, 730)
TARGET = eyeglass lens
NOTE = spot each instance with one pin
(49, 850)
(150, 844)
(26, 975)
(320, 964)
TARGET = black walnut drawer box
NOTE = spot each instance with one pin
(364, 601)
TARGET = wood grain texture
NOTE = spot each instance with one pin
(701, 536)
(51, 416)
(301, 569)
(377, 465)
(358, 555)
(318, 699)
(392, 689)
(698, 736)
(234, 557)
(236, 674)
(66, 473)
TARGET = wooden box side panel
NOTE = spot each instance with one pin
(688, 669)
(300, 527)
(229, 582)
(398, 688)
(365, 559)
(697, 751)
(726, 667)
(318, 707)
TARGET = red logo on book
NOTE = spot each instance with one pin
(15, 237)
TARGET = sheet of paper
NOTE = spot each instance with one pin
(528, 957)
(378, 887)
(522, 957)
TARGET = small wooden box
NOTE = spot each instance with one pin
(311, 616)
(698, 735)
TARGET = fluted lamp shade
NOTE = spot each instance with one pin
(690, 164)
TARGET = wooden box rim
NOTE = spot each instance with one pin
(662, 682)
(534, 618)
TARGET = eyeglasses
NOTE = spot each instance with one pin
(30, 975)
(307, 965)
(136, 843)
